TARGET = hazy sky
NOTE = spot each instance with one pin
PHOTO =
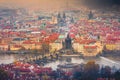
(55, 4)
(44, 4)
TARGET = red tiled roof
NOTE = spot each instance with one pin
(3, 44)
(28, 42)
(85, 41)
(90, 47)
(17, 46)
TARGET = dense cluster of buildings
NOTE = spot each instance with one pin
(96, 35)
(89, 34)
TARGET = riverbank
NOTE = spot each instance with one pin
(113, 55)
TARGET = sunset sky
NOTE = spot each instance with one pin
(45, 4)
(54, 4)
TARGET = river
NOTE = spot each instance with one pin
(102, 61)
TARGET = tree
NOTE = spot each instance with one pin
(106, 72)
(117, 75)
(45, 48)
(91, 71)
(77, 75)
(3, 75)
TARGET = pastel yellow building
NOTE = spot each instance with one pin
(14, 47)
(55, 46)
(88, 49)
(32, 46)
(110, 46)
(4, 47)
(78, 47)
(118, 46)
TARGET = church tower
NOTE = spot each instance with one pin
(68, 42)
(90, 15)
(61, 19)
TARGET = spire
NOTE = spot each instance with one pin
(68, 36)
(72, 20)
(64, 15)
(90, 15)
(59, 16)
